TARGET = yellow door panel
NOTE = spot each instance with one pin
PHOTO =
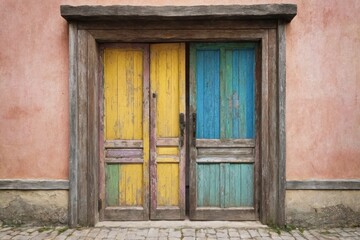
(126, 127)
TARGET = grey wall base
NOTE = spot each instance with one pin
(34, 207)
(323, 208)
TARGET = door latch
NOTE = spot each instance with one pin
(194, 129)
(182, 128)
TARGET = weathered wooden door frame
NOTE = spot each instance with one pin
(91, 25)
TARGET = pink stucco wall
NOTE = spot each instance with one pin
(323, 85)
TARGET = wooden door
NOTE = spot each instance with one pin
(167, 166)
(125, 133)
(222, 111)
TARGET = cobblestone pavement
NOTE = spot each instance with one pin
(62, 233)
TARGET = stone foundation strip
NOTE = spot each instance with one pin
(62, 233)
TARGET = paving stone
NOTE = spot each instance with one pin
(188, 238)
(188, 232)
(200, 233)
(244, 234)
(233, 233)
(175, 233)
(153, 232)
(60, 237)
(210, 235)
(287, 237)
(162, 238)
(264, 232)
(254, 233)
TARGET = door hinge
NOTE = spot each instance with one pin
(99, 204)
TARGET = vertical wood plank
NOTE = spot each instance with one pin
(273, 136)
(111, 94)
(250, 92)
(258, 117)
(226, 121)
(101, 136)
(223, 170)
(246, 171)
(193, 178)
(83, 126)
(264, 216)
(236, 95)
(208, 96)
(93, 160)
(146, 130)
(73, 118)
(182, 106)
(281, 68)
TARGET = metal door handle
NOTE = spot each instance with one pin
(182, 128)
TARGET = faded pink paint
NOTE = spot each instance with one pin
(323, 85)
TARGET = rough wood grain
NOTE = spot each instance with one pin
(224, 159)
(124, 160)
(164, 142)
(146, 131)
(93, 123)
(123, 144)
(28, 184)
(226, 214)
(273, 161)
(192, 137)
(153, 153)
(83, 126)
(225, 151)
(183, 24)
(151, 35)
(102, 184)
(281, 128)
(261, 11)
(264, 133)
(130, 214)
(74, 127)
(257, 149)
(225, 143)
(123, 153)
